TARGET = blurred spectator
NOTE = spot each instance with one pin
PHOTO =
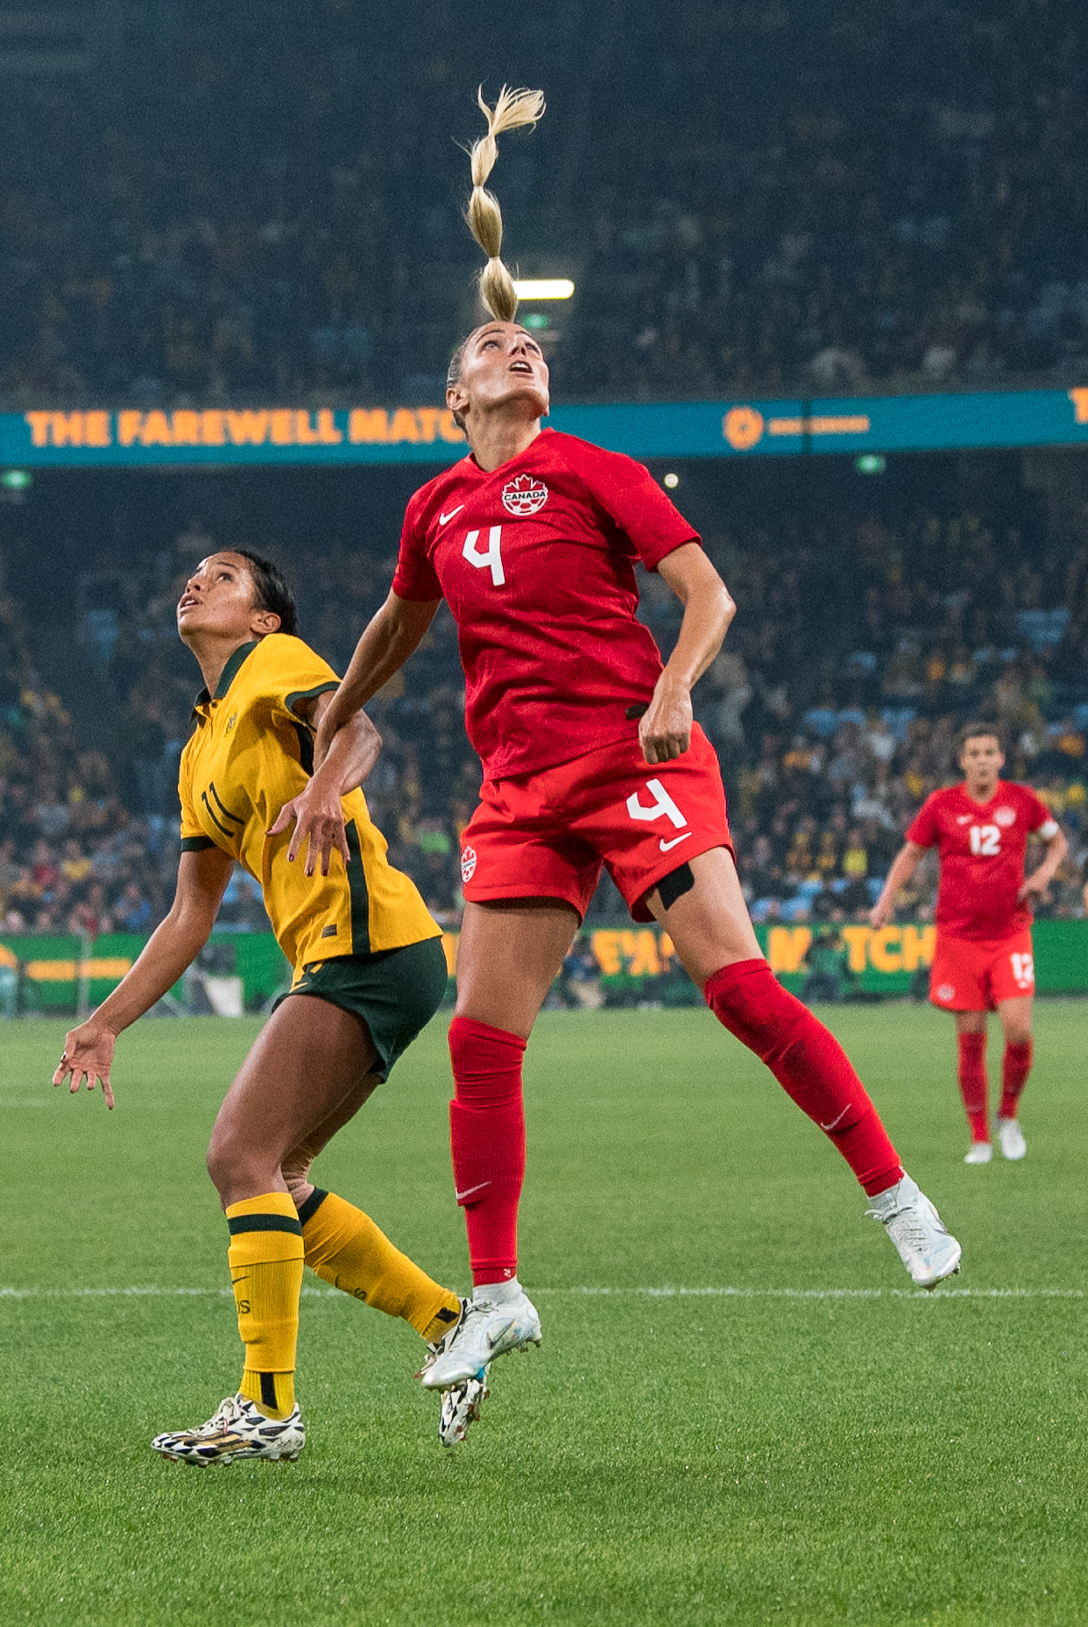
(206, 217)
(824, 765)
(827, 968)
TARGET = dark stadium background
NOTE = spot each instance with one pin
(742, 1414)
(254, 205)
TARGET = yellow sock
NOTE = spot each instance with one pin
(347, 1249)
(266, 1258)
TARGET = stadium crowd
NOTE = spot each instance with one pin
(833, 709)
(823, 208)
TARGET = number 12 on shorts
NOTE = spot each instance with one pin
(1023, 970)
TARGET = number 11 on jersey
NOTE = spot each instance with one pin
(492, 559)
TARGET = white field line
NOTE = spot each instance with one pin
(933, 1298)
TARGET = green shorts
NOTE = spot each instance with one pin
(395, 991)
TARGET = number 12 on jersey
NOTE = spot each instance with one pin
(986, 840)
(492, 559)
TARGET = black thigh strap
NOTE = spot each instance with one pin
(675, 885)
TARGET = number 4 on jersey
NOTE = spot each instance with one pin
(492, 559)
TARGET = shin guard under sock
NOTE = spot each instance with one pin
(809, 1064)
(487, 1141)
(345, 1248)
(1014, 1073)
(974, 1085)
(265, 1258)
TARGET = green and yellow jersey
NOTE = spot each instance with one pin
(249, 754)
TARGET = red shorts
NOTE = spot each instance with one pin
(547, 835)
(969, 974)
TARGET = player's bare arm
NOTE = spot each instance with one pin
(317, 811)
(904, 865)
(665, 729)
(387, 642)
(1056, 848)
(171, 949)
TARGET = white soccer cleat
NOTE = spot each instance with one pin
(927, 1249)
(980, 1152)
(485, 1331)
(1011, 1138)
(461, 1408)
(238, 1430)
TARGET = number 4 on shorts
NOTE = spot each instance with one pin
(662, 804)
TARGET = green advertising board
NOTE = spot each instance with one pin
(59, 975)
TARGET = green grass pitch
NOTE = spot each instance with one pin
(781, 1453)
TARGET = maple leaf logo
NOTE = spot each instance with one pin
(523, 495)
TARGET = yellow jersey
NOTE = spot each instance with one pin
(249, 754)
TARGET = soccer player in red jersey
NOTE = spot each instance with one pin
(983, 961)
(590, 758)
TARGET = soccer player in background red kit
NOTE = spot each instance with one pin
(590, 756)
(983, 961)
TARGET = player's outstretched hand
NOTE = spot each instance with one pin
(319, 820)
(87, 1057)
(1032, 884)
(881, 913)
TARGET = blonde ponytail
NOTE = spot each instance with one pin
(513, 108)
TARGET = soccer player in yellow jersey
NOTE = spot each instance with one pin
(369, 972)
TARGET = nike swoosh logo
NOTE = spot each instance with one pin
(664, 846)
(964, 819)
(469, 1190)
(443, 519)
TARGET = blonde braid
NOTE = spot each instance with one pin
(513, 108)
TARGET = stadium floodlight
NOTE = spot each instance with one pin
(544, 288)
(672, 481)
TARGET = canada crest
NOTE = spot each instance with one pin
(1005, 816)
(523, 495)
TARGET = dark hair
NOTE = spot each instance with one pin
(971, 731)
(274, 592)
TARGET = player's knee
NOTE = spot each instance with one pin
(227, 1162)
(1018, 1033)
(217, 1162)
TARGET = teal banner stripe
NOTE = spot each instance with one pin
(134, 438)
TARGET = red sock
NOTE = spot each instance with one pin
(974, 1086)
(487, 1140)
(1014, 1075)
(809, 1064)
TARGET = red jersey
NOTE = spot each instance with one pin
(537, 563)
(981, 846)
